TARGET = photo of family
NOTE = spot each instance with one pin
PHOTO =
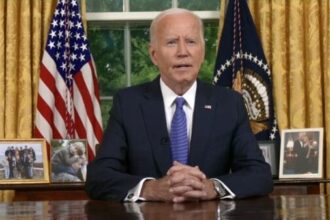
(68, 160)
(23, 161)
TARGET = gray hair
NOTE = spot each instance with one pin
(170, 11)
(80, 146)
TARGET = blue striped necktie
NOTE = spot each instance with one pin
(179, 137)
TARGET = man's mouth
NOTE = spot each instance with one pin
(182, 66)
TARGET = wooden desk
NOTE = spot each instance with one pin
(298, 186)
(75, 191)
(273, 207)
(38, 192)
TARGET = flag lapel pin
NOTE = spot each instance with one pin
(209, 107)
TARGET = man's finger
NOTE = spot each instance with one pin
(193, 171)
(179, 190)
(195, 194)
(183, 180)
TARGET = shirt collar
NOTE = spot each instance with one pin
(169, 96)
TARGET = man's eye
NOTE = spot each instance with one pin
(172, 42)
(191, 42)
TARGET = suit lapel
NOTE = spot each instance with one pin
(155, 121)
(202, 121)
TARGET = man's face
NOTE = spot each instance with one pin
(302, 136)
(178, 49)
(72, 149)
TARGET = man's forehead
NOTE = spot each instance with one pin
(177, 17)
(176, 26)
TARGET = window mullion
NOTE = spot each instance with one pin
(174, 3)
(126, 7)
(127, 45)
(127, 52)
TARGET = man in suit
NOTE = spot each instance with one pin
(301, 147)
(137, 160)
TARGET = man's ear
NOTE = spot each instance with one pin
(152, 54)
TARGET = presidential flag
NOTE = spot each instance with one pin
(241, 65)
(68, 105)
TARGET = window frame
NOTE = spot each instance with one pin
(141, 16)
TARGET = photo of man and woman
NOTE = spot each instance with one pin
(302, 153)
(21, 161)
(68, 160)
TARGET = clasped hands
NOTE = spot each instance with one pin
(181, 183)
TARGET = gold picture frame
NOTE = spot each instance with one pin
(68, 160)
(23, 161)
(301, 153)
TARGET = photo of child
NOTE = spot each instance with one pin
(68, 161)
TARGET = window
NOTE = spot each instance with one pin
(118, 33)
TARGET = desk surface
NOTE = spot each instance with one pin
(273, 207)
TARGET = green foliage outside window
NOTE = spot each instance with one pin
(104, 5)
(105, 109)
(143, 69)
(149, 5)
(209, 5)
(107, 49)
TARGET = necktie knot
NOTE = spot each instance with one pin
(179, 102)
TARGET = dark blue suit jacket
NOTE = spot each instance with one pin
(136, 143)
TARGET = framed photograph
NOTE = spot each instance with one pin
(23, 161)
(68, 161)
(270, 153)
(301, 153)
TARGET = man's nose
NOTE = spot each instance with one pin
(182, 48)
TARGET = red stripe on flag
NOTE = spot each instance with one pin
(47, 77)
(81, 131)
(88, 103)
(90, 153)
(95, 80)
(46, 112)
(97, 97)
(80, 128)
(60, 104)
(37, 133)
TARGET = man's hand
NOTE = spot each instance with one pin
(189, 183)
(182, 183)
(157, 190)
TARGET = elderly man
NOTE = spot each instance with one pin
(176, 138)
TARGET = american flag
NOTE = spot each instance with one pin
(68, 105)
